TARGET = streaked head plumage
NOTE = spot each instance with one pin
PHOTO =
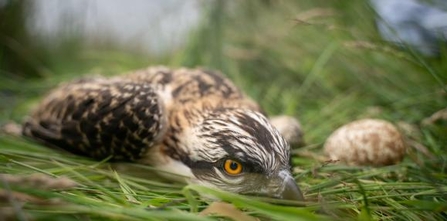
(230, 138)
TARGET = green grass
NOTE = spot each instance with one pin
(327, 70)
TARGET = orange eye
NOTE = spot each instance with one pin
(232, 167)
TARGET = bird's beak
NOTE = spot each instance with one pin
(288, 190)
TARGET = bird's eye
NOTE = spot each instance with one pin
(232, 167)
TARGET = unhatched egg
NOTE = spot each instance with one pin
(366, 142)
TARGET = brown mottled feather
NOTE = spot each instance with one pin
(99, 118)
(125, 116)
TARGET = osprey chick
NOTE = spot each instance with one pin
(191, 122)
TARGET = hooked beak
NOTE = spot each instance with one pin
(289, 189)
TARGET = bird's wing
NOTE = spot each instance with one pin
(100, 118)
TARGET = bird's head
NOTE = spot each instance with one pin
(240, 151)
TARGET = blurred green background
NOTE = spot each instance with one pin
(320, 61)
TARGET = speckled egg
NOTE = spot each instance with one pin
(367, 142)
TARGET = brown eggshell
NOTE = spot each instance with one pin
(367, 142)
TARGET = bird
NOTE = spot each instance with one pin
(192, 124)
